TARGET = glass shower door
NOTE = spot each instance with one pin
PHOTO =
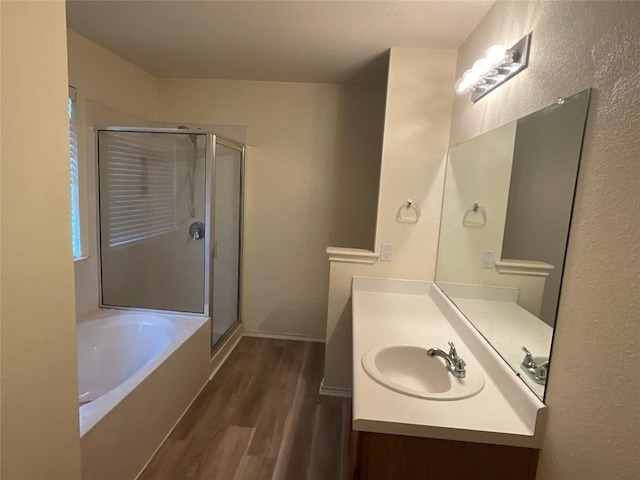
(226, 231)
(152, 215)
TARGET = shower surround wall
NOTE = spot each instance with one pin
(312, 171)
(593, 429)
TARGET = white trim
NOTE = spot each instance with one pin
(334, 392)
(223, 352)
(282, 336)
(523, 267)
(352, 255)
(81, 259)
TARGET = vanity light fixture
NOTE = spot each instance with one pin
(498, 65)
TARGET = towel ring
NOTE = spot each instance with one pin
(475, 208)
(401, 216)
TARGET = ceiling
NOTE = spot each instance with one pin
(291, 41)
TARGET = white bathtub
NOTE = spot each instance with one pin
(113, 348)
(138, 372)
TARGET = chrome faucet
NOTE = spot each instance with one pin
(454, 363)
(537, 371)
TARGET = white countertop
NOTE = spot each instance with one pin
(389, 312)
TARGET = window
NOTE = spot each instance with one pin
(75, 177)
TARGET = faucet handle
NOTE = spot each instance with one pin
(453, 353)
(528, 362)
(542, 369)
(458, 367)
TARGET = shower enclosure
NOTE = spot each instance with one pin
(170, 207)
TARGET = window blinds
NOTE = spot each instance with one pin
(75, 176)
(141, 185)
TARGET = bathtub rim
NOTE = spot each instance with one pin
(90, 414)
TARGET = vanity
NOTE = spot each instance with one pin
(449, 376)
(429, 422)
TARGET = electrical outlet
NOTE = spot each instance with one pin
(386, 252)
(488, 259)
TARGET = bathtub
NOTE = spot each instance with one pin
(114, 348)
(137, 374)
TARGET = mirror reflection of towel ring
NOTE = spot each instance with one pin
(475, 208)
(401, 214)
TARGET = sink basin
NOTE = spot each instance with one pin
(409, 370)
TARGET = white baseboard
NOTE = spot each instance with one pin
(282, 336)
(334, 392)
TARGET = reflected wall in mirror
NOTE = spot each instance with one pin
(505, 224)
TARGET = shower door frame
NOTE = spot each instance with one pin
(239, 147)
(211, 140)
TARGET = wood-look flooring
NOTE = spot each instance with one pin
(260, 418)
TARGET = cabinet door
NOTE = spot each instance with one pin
(398, 457)
(354, 454)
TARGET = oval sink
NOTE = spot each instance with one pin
(409, 370)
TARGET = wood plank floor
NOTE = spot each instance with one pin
(260, 418)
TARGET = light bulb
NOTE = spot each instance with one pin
(482, 67)
(470, 77)
(461, 87)
(496, 55)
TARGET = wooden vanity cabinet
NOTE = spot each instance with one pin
(377, 456)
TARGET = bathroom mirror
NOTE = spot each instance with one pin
(505, 224)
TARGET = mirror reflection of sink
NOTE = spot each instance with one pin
(408, 369)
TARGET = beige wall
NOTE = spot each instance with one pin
(39, 418)
(311, 181)
(594, 415)
(416, 132)
(105, 78)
